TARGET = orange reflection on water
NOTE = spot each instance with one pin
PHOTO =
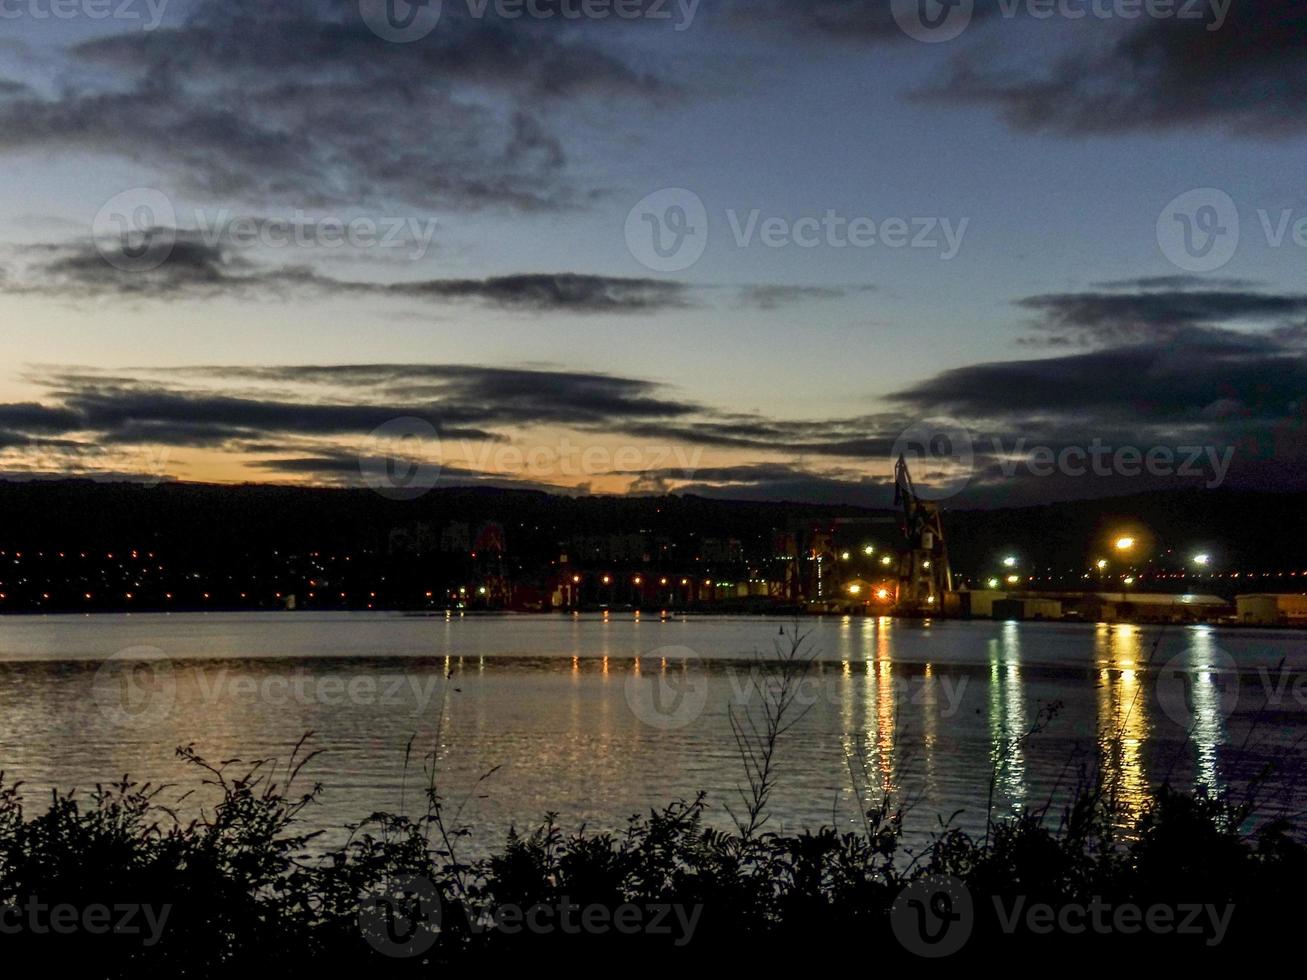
(885, 708)
(1122, 714)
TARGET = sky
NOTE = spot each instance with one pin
(1046, 250)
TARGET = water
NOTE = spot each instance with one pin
(600, 718)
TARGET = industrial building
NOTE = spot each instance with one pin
(1272, 610)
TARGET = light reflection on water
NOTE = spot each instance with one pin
(937, 714)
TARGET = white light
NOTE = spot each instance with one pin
(1010, 561)
(1203, 559)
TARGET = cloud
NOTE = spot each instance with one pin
(1157, 309)
(859, 22)
(205, 264)
(780, 482)
(301, 101)
(463, 402)
(774, 297)
(1166, 366)
(194, 265)
(1246, 76)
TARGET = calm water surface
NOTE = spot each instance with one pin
(600, 718)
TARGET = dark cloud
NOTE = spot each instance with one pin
(1157, 310)
(1167, 366)
(775, 297)
(461, 402)
(194, 265)
(1162, 378)
(772, 482)
(564, 291)
(1247, 76)
(300, 101)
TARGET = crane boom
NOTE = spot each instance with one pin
(925, 578)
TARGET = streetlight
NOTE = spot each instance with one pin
(869, 549)
(855, 589)
(1010, 561)
(1125, 543)
(1203, 559)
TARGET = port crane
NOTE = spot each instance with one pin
(925, 578)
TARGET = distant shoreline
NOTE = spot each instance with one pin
(774, 616)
